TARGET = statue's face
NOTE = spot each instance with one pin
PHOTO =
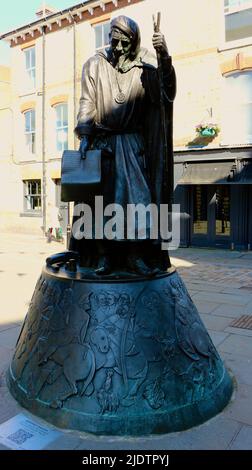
(120, 43)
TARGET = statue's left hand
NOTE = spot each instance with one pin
(159, 43)
(84, 145)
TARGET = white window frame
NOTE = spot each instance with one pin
(61, 145)
(230, 138)
(30, 133)
(29, 196)
(101, 25)
(227, 11)
(31, 69)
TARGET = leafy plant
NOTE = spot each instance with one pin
(207, 129)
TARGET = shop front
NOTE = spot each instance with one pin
(215, 198)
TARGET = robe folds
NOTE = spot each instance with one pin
(129, 133)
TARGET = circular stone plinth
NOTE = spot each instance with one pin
(117, 357)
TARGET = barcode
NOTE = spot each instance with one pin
(20, 436)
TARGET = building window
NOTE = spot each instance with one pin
(237, 109)
(238, 20)
(61, 111)
(32, 195)
(30, 65)
(30, 130)
(102, 35)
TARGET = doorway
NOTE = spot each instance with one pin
(249, 217)
(210, 210)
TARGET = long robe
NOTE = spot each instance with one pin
(128, 133)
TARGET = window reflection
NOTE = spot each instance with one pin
(222, 211)
(61, 111)
(30, 130)
(200, 225)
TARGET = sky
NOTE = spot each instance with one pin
(15, 13)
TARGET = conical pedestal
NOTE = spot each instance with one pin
(121, 357)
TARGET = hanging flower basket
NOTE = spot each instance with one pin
(207, 130)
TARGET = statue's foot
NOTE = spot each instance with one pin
(58, 259)
(104, 266)
(56, 403)
(138, 266)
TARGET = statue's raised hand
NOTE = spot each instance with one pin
(159, 43)
(84, 146)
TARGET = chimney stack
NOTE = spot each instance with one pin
(45, 10)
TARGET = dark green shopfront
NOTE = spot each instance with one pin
(214, 190)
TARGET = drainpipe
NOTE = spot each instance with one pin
(74, 114)
(44, 186)
(74, 80)
(248, 219)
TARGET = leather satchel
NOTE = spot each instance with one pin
(80, 177)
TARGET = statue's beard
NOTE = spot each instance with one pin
(120, 58)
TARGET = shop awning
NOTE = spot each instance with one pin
(207, 173)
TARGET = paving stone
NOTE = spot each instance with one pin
(248, 309)
(245, 296)
(162, 442)
(215, 434)
(180, 263)
(205, 286)
(243, 440)
(240, 366)
(231, 284)
(236, 291)
(215, 323)
(204, 307)
(5, 358)
(13, 314)
(227, 310)
(218, 337)
(9, 407)
(8, 325)
(237, 344)
(222, 298)
(241, 409)
(192, 292)
(9, 337)
(238, 331)
(65, 442)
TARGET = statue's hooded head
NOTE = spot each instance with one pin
(124, 37)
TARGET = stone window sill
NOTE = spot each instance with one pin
(31, 214)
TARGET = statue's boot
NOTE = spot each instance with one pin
(104, 266)
(137, 265)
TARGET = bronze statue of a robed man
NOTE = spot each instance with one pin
(112, 342)
(120, 114)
